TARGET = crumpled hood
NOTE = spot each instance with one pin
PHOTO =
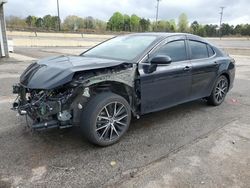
(55, 71)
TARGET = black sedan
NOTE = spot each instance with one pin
(126, 76)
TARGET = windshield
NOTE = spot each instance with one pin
(122, 47)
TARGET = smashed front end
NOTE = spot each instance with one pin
(48, 96)
(48, 108)
(53, 92)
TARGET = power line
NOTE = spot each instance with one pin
(58, 14)
(157, 12)
(221, 16)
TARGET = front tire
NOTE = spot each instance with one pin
(219, 91)
(105, 119)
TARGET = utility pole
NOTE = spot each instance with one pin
(221, 16)
(157, 13)
(58, 14)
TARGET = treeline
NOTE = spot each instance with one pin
(211, 30)
(47, 22)
(119, 22)
(51, 23)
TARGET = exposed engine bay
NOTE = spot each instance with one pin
(61, 106)
(47, 108)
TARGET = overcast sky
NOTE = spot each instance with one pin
(236, 11)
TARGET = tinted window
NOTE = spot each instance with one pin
(198, 50)
(176, 50)
(123, 47)
(210, 51)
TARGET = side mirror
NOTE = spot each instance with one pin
(161, 60)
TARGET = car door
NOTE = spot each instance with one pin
(204, 68)
(167, 85)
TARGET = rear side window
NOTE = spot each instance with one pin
(210, 51)
(198, 50)
(176, 50)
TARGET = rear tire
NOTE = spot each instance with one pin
(105, 119)
(219, 91)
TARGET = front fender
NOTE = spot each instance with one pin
(126, 77)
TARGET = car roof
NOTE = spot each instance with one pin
(163, 35)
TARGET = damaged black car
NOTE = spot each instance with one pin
(126, 76)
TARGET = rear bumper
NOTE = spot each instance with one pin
(232, 77)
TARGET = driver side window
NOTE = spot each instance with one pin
(176, 50)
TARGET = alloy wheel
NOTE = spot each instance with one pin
(221, 90)
(111, 121)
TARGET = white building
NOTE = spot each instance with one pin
(3, 38)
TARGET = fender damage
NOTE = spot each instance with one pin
(53, 91)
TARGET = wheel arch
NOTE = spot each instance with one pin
(119, 88)
(224, 73)
(227, 76)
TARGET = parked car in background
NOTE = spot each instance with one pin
(126, 76)
(11, 46)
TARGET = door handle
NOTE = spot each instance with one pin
(187, 68)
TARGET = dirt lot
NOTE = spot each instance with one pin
(164, 149)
